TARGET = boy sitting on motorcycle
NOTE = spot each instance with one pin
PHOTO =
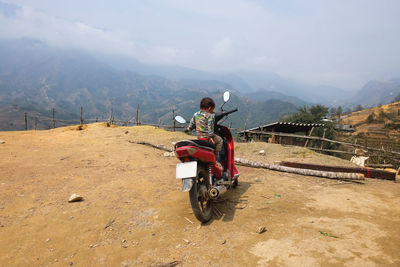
(203, 121)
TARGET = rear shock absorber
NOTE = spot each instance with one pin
(210, 173)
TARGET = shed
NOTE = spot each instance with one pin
(279, 132)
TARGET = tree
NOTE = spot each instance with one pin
(348, 111)
(333, 111)
(314, 114)
(339, 111)
(358, 107)
(382, 115)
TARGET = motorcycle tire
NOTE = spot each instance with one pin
(201, 203)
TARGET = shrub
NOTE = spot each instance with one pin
(371, 118)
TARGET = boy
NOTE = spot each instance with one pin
(203, 120)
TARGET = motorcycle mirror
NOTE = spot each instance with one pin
(180, 119)
(227, 95)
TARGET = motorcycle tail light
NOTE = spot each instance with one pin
(191, 150)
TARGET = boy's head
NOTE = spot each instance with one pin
(207, 104)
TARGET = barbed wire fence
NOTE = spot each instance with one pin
(53, 122)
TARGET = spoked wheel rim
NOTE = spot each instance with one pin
(199, 199)
(203, 199)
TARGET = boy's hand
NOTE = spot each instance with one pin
(212, 140)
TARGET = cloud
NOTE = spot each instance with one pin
(28, 22)
(333, 42)
(222, 48)
(8, 10)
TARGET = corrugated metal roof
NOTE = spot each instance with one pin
(288, 127)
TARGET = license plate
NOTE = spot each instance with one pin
(186, 170)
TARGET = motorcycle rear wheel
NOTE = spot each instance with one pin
(200, 201)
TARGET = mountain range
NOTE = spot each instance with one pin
(376, 93)
(36, 77)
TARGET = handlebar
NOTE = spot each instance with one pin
(220, 115)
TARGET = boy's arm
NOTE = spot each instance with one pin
(211, 121)
(192, 125)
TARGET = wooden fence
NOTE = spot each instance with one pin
(371, 151)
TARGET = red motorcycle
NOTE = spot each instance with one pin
(202, 175)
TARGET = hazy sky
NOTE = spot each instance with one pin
(341, 43)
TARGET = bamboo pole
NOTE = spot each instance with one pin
(323, 137)
(311, 131)
(355, 143)
(81, 120)
(26, 120)
(54, 121)
(111, 115)
(173, 118)
(137, 115)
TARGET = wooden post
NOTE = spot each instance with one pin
(230, 125)
(26, 121)
(273, 137)
(323, 136)
(54, 121)
(97, 119)
(159, 123)
(173, 118)
(81, 115)
(111, 115)
(35, 123)
(306, 144)
(355, 147)
(137, 115)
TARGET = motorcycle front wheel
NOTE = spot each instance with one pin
(199, 198)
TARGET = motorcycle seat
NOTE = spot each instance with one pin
(195, 142)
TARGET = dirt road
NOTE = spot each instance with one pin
(134, 214)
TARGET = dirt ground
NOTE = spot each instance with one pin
(134, 214)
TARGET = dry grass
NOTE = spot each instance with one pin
(134, 214)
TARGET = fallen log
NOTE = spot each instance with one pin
(324, 174)
(162, 147)
(276, 167)
(367, 172)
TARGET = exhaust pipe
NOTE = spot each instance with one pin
(217, 191)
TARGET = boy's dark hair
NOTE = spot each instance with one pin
(207, 103)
